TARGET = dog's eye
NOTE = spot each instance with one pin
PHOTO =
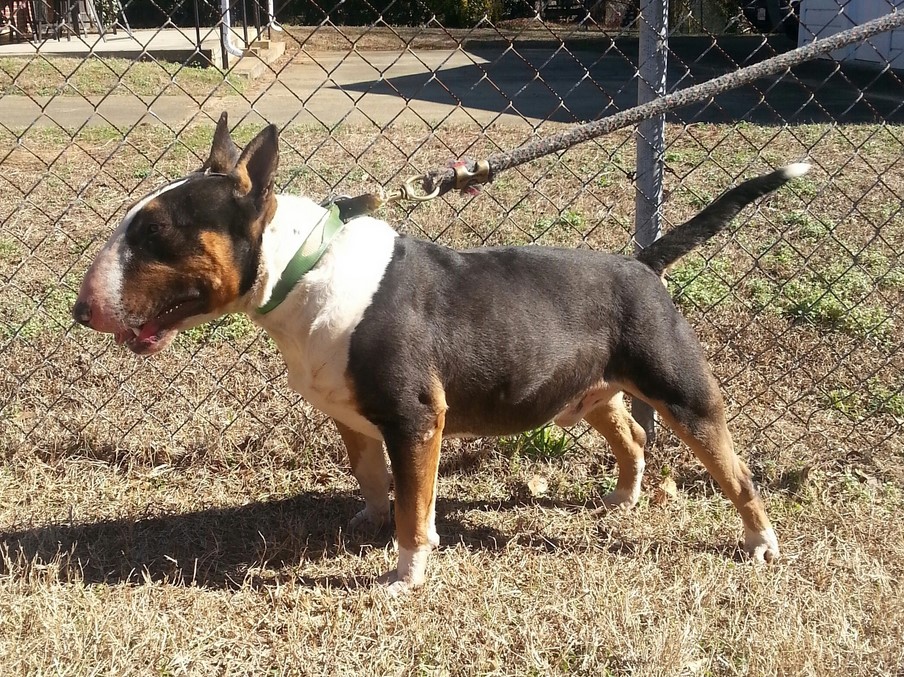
(153, 240)
(152, 234)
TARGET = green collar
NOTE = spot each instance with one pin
(305, 258)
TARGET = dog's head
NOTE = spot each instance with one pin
(186, 253)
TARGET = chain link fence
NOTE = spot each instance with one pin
(799, 307)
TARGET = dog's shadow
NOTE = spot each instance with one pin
(218, 547)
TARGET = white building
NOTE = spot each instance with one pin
(822, 18)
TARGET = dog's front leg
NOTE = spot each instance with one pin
(369, 467)
(414, 454)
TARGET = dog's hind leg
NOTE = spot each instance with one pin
(627, 439)
(662, 362)
(369, 468)
(698, 418)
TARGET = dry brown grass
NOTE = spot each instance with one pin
(186, 514)
(42, 75)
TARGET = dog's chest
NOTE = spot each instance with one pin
(314, 325)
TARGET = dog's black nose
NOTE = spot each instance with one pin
(81, 312)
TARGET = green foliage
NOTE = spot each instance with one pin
(465, 13)
(805, 187)
(52, 76)
(549, 441)
(449, 13)
(8, 249)
(552, 227)
(699, 199)
(686, 156)
(873, 398)
(225, 329)
(806, 224)
(49, 311)
(894, 279)
(839, 296)
(701, 283)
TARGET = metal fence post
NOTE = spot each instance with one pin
(650, 138)
(197, 32)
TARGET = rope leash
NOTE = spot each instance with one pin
(466, 173)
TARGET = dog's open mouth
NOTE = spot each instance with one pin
(147, 339)
(156, 334)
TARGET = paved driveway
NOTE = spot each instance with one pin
(570, 86)
(494, 83)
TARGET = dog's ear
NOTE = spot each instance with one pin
(223, 153)
(255, 170)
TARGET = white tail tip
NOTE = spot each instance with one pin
(797, 169)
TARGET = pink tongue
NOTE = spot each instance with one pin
(147, 331)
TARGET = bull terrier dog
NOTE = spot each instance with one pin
(403, 342)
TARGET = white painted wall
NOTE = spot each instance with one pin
(822, 18)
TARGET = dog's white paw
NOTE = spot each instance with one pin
(410, 573)
(369, 521)
(761, 546)
(395, 587)
(433, 538)
(398, 589)
(620, 499)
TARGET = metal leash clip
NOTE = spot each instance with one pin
(408, 191)
(466, 178)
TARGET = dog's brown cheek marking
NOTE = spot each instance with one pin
(214, 271)
(146, 286)
(218, 267)
(147, 282)
(416, 483)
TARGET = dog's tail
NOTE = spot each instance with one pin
(681, 240)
